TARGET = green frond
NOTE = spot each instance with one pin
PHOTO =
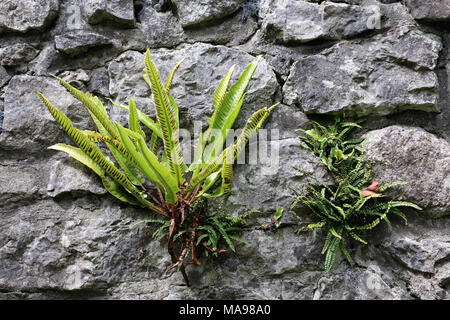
(80, 156)
(166, 121)
(169, 79)
(94, 106)
(149, 164)
(148, 122)
(394, 204)
(228, 107)
(331, 253)
(133, 120)
(91, 150)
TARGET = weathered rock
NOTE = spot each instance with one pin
(401, 153)
(76, 78)
(372, 76)
(126, 82)
(99, 82)
(300, 21)
(76, 43)
(192, 88)
(193, 12)
(431, 10)
(27, 123)
(24, 16)
(273, 173)
(41, 64)
(4, 76)
(65, 247)
(17, 54)
(281, 57)
(69, 175)
(120, 11)
(18, 183)
(161, 29)
(232, 31)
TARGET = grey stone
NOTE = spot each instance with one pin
(195, 12)
(232, 31)
(409, 154)
(300, 21)
(17, 54)
(18, 183)
(160, 29)
(126, 82)
(27, 123)
(77, 78)
(4, 76)
(76, 43)
(431, 10)
(99, 82)
(41, 64)
(381, 75)
(63, 237)
(63, 250)
(70, 176)
(274, 175)
(24, 16)
(120, 11)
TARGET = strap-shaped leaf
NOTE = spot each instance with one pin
(80, 156)
(114, 188)
(119, 152)
(126, 166)
(225, 114)
(148, 122)
(133, 120)
(221, 90)
(94, 106)
(219, 94)
(155, 171)
(166, 121)
(93, 151)
(111, 186)
(254, 123)
(171, 75)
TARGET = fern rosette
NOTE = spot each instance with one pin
(181, 195)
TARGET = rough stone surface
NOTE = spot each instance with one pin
(4, 76)
(432, 10)
(76, 43)
(380, 75)
(300, 21)
(193, 12)
(27, 125)
(17, 54)
(161, 29)
(23, 16)
(272, 174)
(63, 237)
(120, 11)
(417, 157)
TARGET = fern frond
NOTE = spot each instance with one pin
(166, 121)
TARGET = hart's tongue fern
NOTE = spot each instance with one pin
(355, 203)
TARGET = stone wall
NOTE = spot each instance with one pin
(62, 236)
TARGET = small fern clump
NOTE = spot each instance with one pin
(355, 203)
(214, 230)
